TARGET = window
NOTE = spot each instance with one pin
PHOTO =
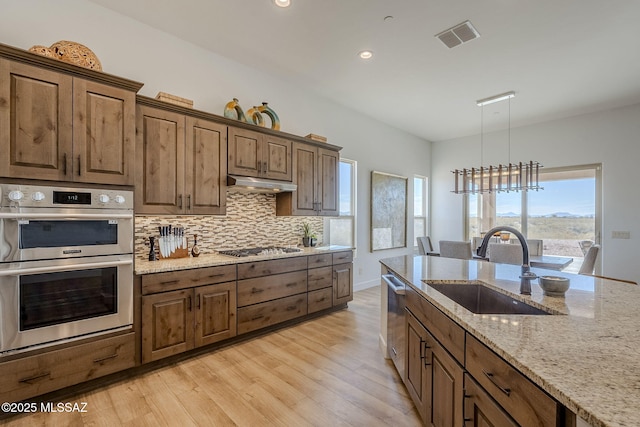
(564, 214)
(342, 230)
(419, 207)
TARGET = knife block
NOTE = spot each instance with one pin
(178, 253)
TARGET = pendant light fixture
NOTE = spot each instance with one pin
(510, 177)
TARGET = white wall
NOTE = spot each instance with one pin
(133, 50)
(611, 137)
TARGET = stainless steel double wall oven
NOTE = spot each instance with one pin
(66, 264)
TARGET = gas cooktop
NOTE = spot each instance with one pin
(259, 251)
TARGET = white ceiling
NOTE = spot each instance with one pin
(561, 57)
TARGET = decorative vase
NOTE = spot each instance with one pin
(233, 111)
(275, 120)
(152, 249)
(255, 117)
(313, 242)
(306, 242)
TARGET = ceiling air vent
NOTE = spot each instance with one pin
(458, 34)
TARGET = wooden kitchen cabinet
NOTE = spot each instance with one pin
(342, 277)
(57, 126)
(433, 378)
(480, 410)
(315, 172)
(271, 292)
(320, 282)
(259, 155)
(182, 162)
(524, 401)
(190, 316)
(44, 372)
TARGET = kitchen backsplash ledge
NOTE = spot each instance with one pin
(250, 221)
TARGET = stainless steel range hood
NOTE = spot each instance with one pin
(258, 185)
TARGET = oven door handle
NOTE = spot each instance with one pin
(39, 215)
(67, 267)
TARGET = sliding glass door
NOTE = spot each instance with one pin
(565, 214)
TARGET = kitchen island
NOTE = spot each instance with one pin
(584, 355)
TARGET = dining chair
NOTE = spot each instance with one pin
(585, 245)
(589, 263)
(455, 249)
(424, 245)
(505, 253)
(535, 246)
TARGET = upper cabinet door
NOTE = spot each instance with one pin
(306, 164)
(104, 133)
(206, 167)
(160, 162)
(276, 158)
(35, 122)
(328, 181)
(245, 152)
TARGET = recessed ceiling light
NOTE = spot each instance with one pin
(283, 3)
(365, 54)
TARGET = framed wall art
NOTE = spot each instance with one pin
(388, 211)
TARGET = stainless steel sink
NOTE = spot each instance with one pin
(481, 299)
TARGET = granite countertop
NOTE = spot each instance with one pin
(586, 356)
(214, 259)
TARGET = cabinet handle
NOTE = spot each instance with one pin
(292, 284)
(256, 290)
(189, 201)
(30, 380)
(102, 359)
(213, 276)
(180, 201)
(489, 375)
(79, 167)
(189, 302)
(257, 317)
(395, 352)
(291, 308)
(422, 349)
(264, 168)
(425, 355)
(198, 301)
(169, 282)
(64, 163)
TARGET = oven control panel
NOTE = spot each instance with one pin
(15, 195)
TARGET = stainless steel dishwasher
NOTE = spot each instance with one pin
(396, 340)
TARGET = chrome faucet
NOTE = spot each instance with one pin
(527, 276)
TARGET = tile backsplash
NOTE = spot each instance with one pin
(250, 221)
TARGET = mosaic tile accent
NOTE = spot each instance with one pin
(250, 221)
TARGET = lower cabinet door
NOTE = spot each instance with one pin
(342, 283)
(167, 324)
(215, 313)
(480, 410)
(446, 388)
(415, 372)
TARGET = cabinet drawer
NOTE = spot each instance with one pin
(260, 289)
(267, 268)
(445, 330)
(259, 316)
(479, 407)
(523, 400)
(320, 260)
(182, 279)
(320, 300)
(35, 375)
(342, 257)
(320, 278)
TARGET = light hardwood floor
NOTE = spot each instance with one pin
(325, 372)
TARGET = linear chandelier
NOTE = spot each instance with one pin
(521, 176)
